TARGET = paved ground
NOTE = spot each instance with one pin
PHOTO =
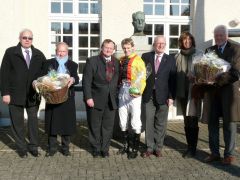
(81, 165)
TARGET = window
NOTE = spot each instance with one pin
(75, 22)
(168, 18)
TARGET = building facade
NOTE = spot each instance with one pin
(83, 24)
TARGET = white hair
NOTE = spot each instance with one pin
(24, 30)
(221, 28)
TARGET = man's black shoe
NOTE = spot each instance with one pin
(105, 154)
(34, 153)
(96, 154)
(22, 154)
(66, 153)
(50, 153)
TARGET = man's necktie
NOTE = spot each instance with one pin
(27, 59)
(220, 49)
(157, 63)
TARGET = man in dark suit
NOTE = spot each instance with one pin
(100, 80)
(158, 95)
(224, 98)
(21, 65)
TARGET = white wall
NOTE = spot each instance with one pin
(117, 18)
(19, 14)
(210, 13)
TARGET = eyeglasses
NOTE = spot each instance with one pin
(29, 38)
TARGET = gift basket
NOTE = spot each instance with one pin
(53, 87)
(206, 67)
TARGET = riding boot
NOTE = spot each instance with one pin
(125, 147)
(134, 146)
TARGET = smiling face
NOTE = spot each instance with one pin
(25, 39)
(220, 37)
(108, 49)
(128, 49)
(187, 42)
(159, 44)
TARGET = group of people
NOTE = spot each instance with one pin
(139, 89)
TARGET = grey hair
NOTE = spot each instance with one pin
(24, 30)
(61, 44)
(221, 28)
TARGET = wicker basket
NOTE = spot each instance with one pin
(53, 96)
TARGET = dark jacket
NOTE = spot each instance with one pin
(228, 94)
(165, 79)
(96, 86)
(61, 118)
(16, 78)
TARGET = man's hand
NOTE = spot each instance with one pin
(6, 99)
(135, 95)
(90, 102)
(71, 81)
(170, 102)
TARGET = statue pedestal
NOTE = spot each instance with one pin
(141, 46)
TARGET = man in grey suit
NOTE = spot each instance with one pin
(158, 95)
(100, 80)
(224, 98)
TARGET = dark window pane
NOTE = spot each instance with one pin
(55, 7)
(83, 8)
(174, 1)
(68, 40)
(185, 1)
(185, 11)
(148, 29)
(172, 52)
(56, 27)
(80, 68)
(70, 54)
(95, 29)
(159, 29)
(173, 43)
(67, 28)
(174, 10)
(159, 10)
(150, 40)
(174, 30)
(67, 8)
(83, 42)
(83, 28)
(148, 9)
(185, 28)
(94, 41)
(94, 8)
(94, 52)
(83, 55)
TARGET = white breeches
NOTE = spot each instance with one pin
(129, 106)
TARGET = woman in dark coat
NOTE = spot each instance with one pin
(60, 119)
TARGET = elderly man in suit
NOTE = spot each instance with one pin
(158, 95)
(100, 81)
(224, 98)
(21, 65)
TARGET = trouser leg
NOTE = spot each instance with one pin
(32, 127)
(17, 127)
(65, 139)
(52, 143)
(229, 133)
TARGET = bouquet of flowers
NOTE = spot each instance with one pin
(207, 67)
(53, 87)
(136, 85)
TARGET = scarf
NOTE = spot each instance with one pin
(61, 64)
(110, 66)
(184, 63)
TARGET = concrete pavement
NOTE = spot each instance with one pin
(81, 165)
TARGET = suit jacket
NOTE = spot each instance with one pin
(164, 80)
(61, 118)
(96, 86)
(16, 77)
(229, 93)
